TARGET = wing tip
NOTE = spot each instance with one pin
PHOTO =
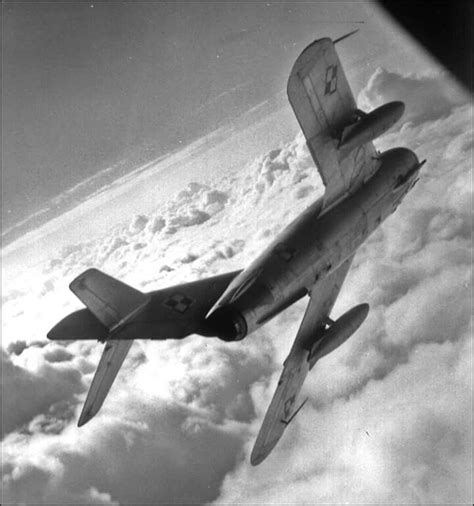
(261, 451)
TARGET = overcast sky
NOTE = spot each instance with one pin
(91, 86)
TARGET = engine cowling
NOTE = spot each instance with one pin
(338, 332)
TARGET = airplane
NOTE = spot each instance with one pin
(311, 257)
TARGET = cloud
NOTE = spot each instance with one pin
(203, 402)
(388, 413)
(199, 231)
(426, 97)
(154, 454)
(28, 392)
(388, 418)
(404, 439)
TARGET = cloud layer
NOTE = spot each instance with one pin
(388, 417)
(427, 97)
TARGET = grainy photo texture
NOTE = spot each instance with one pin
(236, 256)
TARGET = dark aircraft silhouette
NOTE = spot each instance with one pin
(311, 257)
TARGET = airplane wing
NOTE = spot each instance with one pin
(296, 366)
(324, 105)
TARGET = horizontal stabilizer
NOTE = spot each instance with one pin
(108, 299)
(81, 324)
(113, 303)
(117, 313)
(112, 359)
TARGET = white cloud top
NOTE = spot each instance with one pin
(389, 414)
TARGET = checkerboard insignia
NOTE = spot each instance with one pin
(178, 302)
(331, 80)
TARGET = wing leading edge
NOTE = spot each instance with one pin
(324, 105)
(296, 366)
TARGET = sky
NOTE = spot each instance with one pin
(92, 91)
(389, 415)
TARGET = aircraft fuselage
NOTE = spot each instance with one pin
(314, 245)
(312, 255)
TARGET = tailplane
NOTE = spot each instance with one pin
(110, 363)
(112, 302)
(117, 313)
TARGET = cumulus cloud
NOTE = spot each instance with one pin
(404, 439)
(388, 413)
(426, 97)
(154, 454)
(181, 401)
(204, 390)
(29, 391)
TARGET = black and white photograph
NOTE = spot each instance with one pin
(237, 252)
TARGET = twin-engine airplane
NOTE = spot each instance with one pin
(310, 257)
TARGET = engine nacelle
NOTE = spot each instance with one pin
(370, 126)
(338, 332)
